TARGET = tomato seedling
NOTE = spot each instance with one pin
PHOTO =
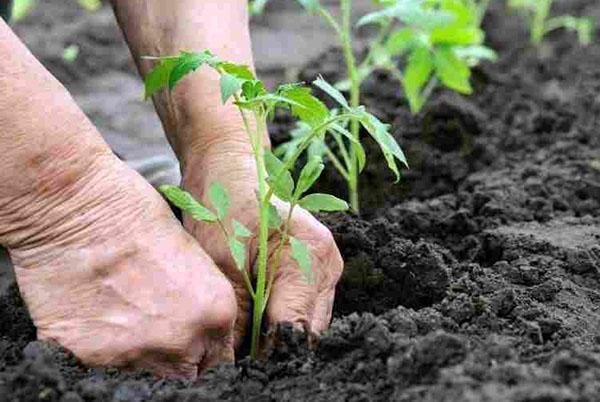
(275, 178)
(422, 43)
(537, 13)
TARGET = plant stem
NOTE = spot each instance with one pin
(344, 33)
(346, 38)
(263, 235)
(284, 237)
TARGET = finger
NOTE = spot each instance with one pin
(219, 350)
(321, 317)
(244, 302)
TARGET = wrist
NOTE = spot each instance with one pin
(48, 191)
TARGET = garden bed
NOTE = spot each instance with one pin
(475, 279)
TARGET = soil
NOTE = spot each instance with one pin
(475, 279)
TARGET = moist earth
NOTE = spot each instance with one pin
(477, 278)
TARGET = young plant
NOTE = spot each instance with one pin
(537, 13)
(434, 40)
(275, 178)
(425, 43)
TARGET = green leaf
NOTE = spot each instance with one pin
(309, 174)
(218, 196)
(275, 220)
(252, 89)
(457, 36)
(452, 71)
(186, 202)
(158, 77)
(400, 41)
(305, 106)
(187, 63)
(240, 230)
(417, 73)
(331, 91)
(476, 53)
(240, 71)
(310, 5)
(390, 148)
(230, 85)
(280, 180)
(323, 202)
(238, 252)
(301, 255)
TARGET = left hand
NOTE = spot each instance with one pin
(307, 306)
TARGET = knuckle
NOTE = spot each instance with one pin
(222, 310)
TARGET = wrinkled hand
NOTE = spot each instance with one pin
(308, 306)
(113, 277)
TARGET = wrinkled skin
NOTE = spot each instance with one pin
(308, 306)
(118, 282)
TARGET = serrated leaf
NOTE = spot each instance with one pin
(305, 106)
(238, 252)
(390, 148)
(219, 198)
(331, 91)
(309, 175)
(323, 202)
(230, 86)
(240, 71)
(452, 71)
(188, 62)
(417, 73)
(275, 220)
(301, 255)
(158, 77)
(186, 202)
(280, 180)
(240, 230)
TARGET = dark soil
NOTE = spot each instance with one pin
(476, 279)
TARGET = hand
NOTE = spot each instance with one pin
(111, 275)
(292, 300)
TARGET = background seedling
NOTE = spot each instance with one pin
(275, 180)
(537, 13)
(425, 43)
(422, 43)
